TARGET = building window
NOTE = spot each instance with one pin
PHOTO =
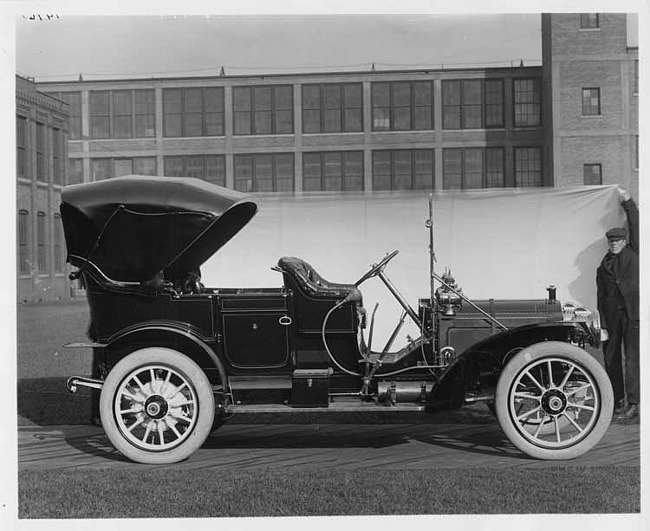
(402, 106)
(590, 102)
(589, 21)
(592, 174)
(21, 147)
(100, 114)
(264, 172)
(122, 114)
(73, 99)
(41, 242)
(194, 111)
(211, 168)
(40, 152)
(101, 169)
(23, 242)
(57, 157)
(333, 171)
(471, 168)
(117, 167)
(264, 110)
(527, 101)
(75, 171)
(403, 169)
(58, 244)
(332, 108)
(472, 104)
(528, 166)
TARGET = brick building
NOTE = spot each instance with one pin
(41, 152)
(571, 121)
(591, 91)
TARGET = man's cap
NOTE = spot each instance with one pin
(617, 233)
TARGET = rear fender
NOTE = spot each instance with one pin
(172, 335)
(476, 370)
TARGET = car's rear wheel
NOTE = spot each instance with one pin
(554, 401)
(157, 406)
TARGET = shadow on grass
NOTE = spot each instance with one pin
(46, 402)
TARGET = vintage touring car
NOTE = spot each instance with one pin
(177, 358)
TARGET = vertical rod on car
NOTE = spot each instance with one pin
(432, 258)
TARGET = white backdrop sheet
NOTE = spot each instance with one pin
(509, 243)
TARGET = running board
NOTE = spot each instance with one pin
(334, 407)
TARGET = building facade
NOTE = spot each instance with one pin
(41, 154)
(452, 129)
(591, 81)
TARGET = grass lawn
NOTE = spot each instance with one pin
(206, 493)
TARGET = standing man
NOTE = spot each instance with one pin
(617, 281)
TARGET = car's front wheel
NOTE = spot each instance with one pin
(157, 406)
(554, 401)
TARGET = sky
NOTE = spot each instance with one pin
(108, 46)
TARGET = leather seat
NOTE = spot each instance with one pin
(312, 284)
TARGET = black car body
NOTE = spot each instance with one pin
(178, 358)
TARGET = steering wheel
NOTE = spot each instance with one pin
(377, 267)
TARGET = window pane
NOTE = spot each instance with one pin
(381, 170)
(353, 95)
(402, 168)
(380, 95)
(122, 102)
(381, 119)
(495, 171)
(494, 103)
(353, 120)
(401, 94)
(473, 168)
(194, 167)
(145, 126)
(213, 99)
(424, 168)
(592, 174)
(402, 118)
(193, 100)
(122, 127)
(451, 169)
(528, 167)
(311, 173)
(332, 96)
(284, 98)
(75, 171)
(215, 167)
(193, 124)
(244, 173)
(173, 125)
(263, 123)
(262, 96)
(172, 100)
(145, 165)
(353, 165)
(451, 104)
(123, 167)
(284, 172)
(283, 122)
(332, 172)
(242, 98)
(174, 167)
(311, 97)
(41, 242)
(58, 244)
(23, 242)
(101, 169)
(332, 121)
(311, 121)
(242, 123)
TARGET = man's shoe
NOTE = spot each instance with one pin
(632, 412)
(619, 408)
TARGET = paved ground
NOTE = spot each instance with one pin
(248, 446)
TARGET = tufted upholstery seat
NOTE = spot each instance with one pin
(312, 284)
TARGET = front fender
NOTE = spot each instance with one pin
(475, 372)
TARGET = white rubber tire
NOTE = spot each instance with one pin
(188, 390)
(588, 373)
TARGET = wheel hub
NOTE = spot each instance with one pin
(156, 407)
(554, 402)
